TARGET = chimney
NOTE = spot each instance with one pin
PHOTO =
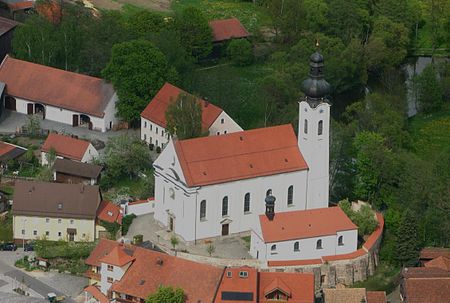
(270, 207)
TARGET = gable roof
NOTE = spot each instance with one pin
(55, 87)
(300, 285)
(66, 146)
(103, 247)
(227, 29)
(156, 109)
(6, 25)
(376, 297)
(10, 151)
(151, 269)
(426, 284)
(305, 224)
(97, 294)
(75, 168)
(277, 284)
(109, 212)
(42, 199)
(439, 262)
(344, 295)
(118, 256)
(241, 155)
(234, 286)
(429, 253)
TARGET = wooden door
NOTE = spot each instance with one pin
(90, 125)
(10, 103)
(74, 120)
(30, 108)
(225, 229)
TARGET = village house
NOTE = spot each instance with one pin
(7, 27)
(425, 284)
(216, 186)
(9, 152)
(353, 295)
(153, 118)
(67, 147)
(303, 235)
(58, 95)
(227, 29)
(68, 171)
(57, 211)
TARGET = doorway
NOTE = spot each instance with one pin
(39, 109)
(85, 120)
(74, 120)
(10, 103)
(30, 108)
(225, 229)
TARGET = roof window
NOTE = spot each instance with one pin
(243, 274)
(60, 206)
(229, 274)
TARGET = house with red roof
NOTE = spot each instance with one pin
(215, 121)
(227, 29)
(303, 235)
(66, 97)
(425, 284)
(67, 147)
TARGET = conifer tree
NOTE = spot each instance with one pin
(407, 240)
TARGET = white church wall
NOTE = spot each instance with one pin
(350, 242)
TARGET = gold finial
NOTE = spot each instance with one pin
(317, 42)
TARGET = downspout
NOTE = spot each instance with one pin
(195, 221)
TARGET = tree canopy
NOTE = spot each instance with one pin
(167, 294)
(184, 117)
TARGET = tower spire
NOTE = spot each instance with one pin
(316, 88)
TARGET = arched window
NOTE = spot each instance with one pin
(305, 127)
(269, 192)
(341, 240)
(320, 128)
(319, 244)
(247, 202)
(203, 210)
(225, 206)
(290, 195)
(273, 247)
(296, 246)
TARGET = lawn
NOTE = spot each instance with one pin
(431, 133)
(385, 278)
(251, 15)
(235, 89)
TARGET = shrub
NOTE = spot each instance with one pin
(138, 239)
(364, 218)
(151, 146)
(126, 222)
(61, 249)
(158, 149)
(240, 52)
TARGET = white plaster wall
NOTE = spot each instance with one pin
(350, 238)
(149, 133)
(315, 150)
(185, 206)
(65, 116)
(141, 209)
(90, 154)
(117, 274)
(110, 118)
(83, 227)
(258, 248)
(228, 125)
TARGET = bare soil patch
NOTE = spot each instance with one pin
(155, 5)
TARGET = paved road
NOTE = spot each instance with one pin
(32, 283)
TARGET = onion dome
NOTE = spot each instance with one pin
(316, 88)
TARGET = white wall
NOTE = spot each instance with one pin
(117, 274)
(153, 133)
(185, 206)
(307, 247)
(223, 125)
(65, 116)
(140, 209)
(315, 150)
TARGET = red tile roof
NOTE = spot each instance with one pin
(241, 155)
(429, 290)
(66, 146)
(227, 29)
(300, 286)
(6, 148)
(439, 262)
(305, 224)
(425, 272)
(109, 212)
(156, 109)
(55, 87)
(97, 294)
(118, 256)
(294, 262)
(152, 269)
(141, 201)
(429, 253)
(235, 283)
(376, 297)
(373, 238)
(103, 247)
(20, 5)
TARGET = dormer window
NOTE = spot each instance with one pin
(243, 274)
(110, 267)
(110, 213)
(229, 274)
(60, 206)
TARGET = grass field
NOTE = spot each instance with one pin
(385, 278)
(252, 16)
(431, 133)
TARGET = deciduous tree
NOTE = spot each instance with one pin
(167, 294)
(184, 117)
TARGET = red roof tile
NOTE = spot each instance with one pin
(20, 5)
(141, 201)
(97, 294)
(294, 262)
(277, 284)
(66, 146)
(118, 256)
(55, 87)
(376, 297)
(429, 253)
(373, 238)
(109, 212)
(6, 148)
(241, 155)
(439, 262)
(235, 283)
(156, 109)
(429, 290)
(425, 272)
(227, 29)
(305, 224)
(300, 286)
(6, 25)
(103, 247)
(152, 269)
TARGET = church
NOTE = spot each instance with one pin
(231, 184)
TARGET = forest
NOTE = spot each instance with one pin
(398, 162)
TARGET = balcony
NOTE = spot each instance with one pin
(92, 275)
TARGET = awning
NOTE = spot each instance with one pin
(72, 231)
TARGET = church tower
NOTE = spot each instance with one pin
(314, 132)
